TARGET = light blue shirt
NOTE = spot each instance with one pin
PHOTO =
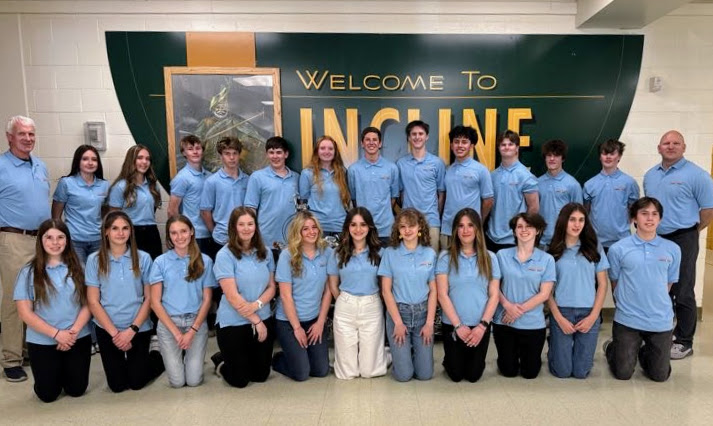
(62, 307)
(121, 293)
(358, 277)
(82, 205)
(188, 185)
(421, 181)
(467, 184)
(643, 270)
(142, 211)
(180, 296)
(273, 196)
(555, 192)
(467, 287)
(410, 272)
(683, 190)
(24, 192)
(521, 281)
(509, 184)
(251, 276)
(307, 289)
(372, 186)
(327, 206)
(221, 195)
(609, 197)
(577, 278)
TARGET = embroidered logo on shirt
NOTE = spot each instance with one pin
(535, 268)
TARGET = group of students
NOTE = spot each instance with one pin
(223, 226)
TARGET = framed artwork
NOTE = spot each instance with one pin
(212, 103)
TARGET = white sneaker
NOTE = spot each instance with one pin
(678, 351)
(153, 345)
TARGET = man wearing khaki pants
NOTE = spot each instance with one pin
(24, 204)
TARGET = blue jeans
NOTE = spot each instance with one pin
(295, 361)
(572, 354)
(183, 367)
(413, 358)
(85, 248)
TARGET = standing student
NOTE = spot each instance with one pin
(223, 191)
(468, 280)
(468, 183)
(609, 195)
(556, 187)
(52, 300)
(578, 295)
(181, 281)
(304, 301)
(81, 196)
(528, 275)
(374, 183)
(119, 297)
(358, 312)
(187, 189)
(408, 285)
(135, 191)
(422, 179)
(323, 186)
(246, 331)
(272, 192)
(644, 266)
(515, 192)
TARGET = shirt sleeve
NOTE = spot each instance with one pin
(145, 265)
(614, 265)
(675, 266)
(529, 185)
(270, 262)
(495, 266)
(116, 195)
(179, 186)
(486, 184)
(24, 289)
(586, 192)
(395, 179)
(156, 275)
(432, 275)
(224, 266)
(577, 192)
(442, 266)
(60, 193)
(305, 184)
(633, 192)
(252, 193)
(441, 175)
(208, 276)
(603, 263)
(703, 191)
(91, 271)
(550, 273)
(385, 265)
(208, 195)
(283, 273)
(332, 264)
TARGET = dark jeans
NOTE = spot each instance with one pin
(682, 293)
(55, 370)
(519, 351)
(245, 358)
(460, 360)
(148, 239)
(296, 362)
(625, 348)
(132, 369)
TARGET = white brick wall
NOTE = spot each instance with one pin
(68, 81)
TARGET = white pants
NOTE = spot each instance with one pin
(359, 336)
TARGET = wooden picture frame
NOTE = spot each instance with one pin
(212, 102)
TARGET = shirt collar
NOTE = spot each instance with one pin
(273, 173)
(224, 175)
(126, 255)
(677, 165)
(474, 256)
(463, 163)
(511, 167)
(17, 161)
(378, 163)
(575, 247)
(558, 177)
(58, 267)
(638, 241)
(200, 172)
(81, 182)
(403, 250)
(174, 256)
(616, 173)
(536, 255)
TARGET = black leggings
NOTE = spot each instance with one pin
(246, 359)
(519, 350)
(132, 369)
(148, 239)
(460, 360)
(56, 370)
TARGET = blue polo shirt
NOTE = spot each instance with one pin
(24, 191)
(273, 196)
(82, 205)
(251, 276)
(467, 287)
(142, 212)
(521, 281)
(180, 296)
(188, 185)
(121, 293)
(683, 190)
(358, 277)
(307, 289)
(609, 197)
(410, 272)
(555, 192)
(643, 270)
(509, 185)
(467, 183)
(326, 205)
(576, 278)
(62, 307)
(421, 181)
(221, 195)
(373, 185)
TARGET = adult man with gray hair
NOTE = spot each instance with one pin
(24, 205)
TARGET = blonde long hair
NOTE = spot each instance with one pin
(294, 238)
(196, 267)
(340, 172)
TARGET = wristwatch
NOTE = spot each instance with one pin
(259, 304)
(485, 324)
(134, 327)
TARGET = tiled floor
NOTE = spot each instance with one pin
(687, 398)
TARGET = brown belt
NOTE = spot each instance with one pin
(32, 233)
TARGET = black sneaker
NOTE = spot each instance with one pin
(217, 359)
(15, 374)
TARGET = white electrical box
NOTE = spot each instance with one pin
(95, 134)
